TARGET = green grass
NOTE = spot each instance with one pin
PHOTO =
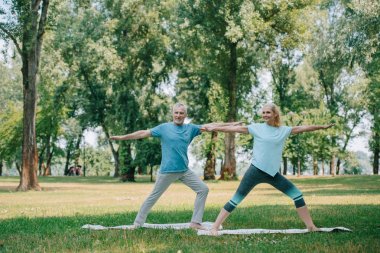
(51, 220)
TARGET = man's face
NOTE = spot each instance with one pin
(179, 115)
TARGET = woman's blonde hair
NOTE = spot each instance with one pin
(277, 114)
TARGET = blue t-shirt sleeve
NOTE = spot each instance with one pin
(156, 131)
(251, 129)
(195, 130)
(286, 130)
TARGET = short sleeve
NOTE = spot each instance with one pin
(196, 130)
(156, 131)
(251, 129)
(287, 131)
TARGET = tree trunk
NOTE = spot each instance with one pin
(68, 156)
(209, 170)
(332, 165)
(228, 171)
(28, 179)
(285, 162)
(18, 168)
(315, 166)
(47, 171)
(40, 161)
(229, 167)
(338, 166)
(48, 155)
(151, 173)
(33, 29)
(40, 165)
(78, 150)
(115, 153)
(323, 167)
(376, 151)
(299, 168)
(348, 137)
(129, 172)
(1, 168)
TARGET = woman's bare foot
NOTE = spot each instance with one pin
(313, 229)
(214, 231)
(197, 226)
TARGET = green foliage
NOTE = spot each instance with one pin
(147, 154)
(10, 83)
(97, 161)
(10, 112)
(120, 64)
(352, 166)
(316, 144)
(10, 137)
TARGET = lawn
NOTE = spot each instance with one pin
(51, 220)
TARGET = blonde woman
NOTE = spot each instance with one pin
(269, 140)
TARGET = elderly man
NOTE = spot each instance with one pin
(175, 139)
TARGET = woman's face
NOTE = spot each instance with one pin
(267, 114)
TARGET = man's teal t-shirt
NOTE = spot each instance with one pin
(174, 143)
(268, 145)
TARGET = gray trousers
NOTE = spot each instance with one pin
(163, 181)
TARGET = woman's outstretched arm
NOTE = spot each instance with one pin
(301, 129)
(227, 129)
(222, 124)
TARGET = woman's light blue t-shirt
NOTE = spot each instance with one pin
(174, 143)
(268, 146)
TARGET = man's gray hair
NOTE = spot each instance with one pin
(176, 105)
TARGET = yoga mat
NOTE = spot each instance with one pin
(208, 225)
(271, 231)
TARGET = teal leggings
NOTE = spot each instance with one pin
(255, 176)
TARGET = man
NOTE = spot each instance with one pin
(175, 139)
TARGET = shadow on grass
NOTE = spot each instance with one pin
(353, 180)
(64, 234)
(330, 192)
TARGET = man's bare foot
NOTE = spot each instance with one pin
(197, 226)
(313, 229)
(134, 226)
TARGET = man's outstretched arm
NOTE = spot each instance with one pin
(210, 126)
(132, 136)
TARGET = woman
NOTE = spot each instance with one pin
(269, 140)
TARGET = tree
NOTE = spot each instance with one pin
(95, 65)
(142, 43)
(364, 41)
(374, 94)
(334, 53)
(234, 35)
(26, 32)
(54, 94)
